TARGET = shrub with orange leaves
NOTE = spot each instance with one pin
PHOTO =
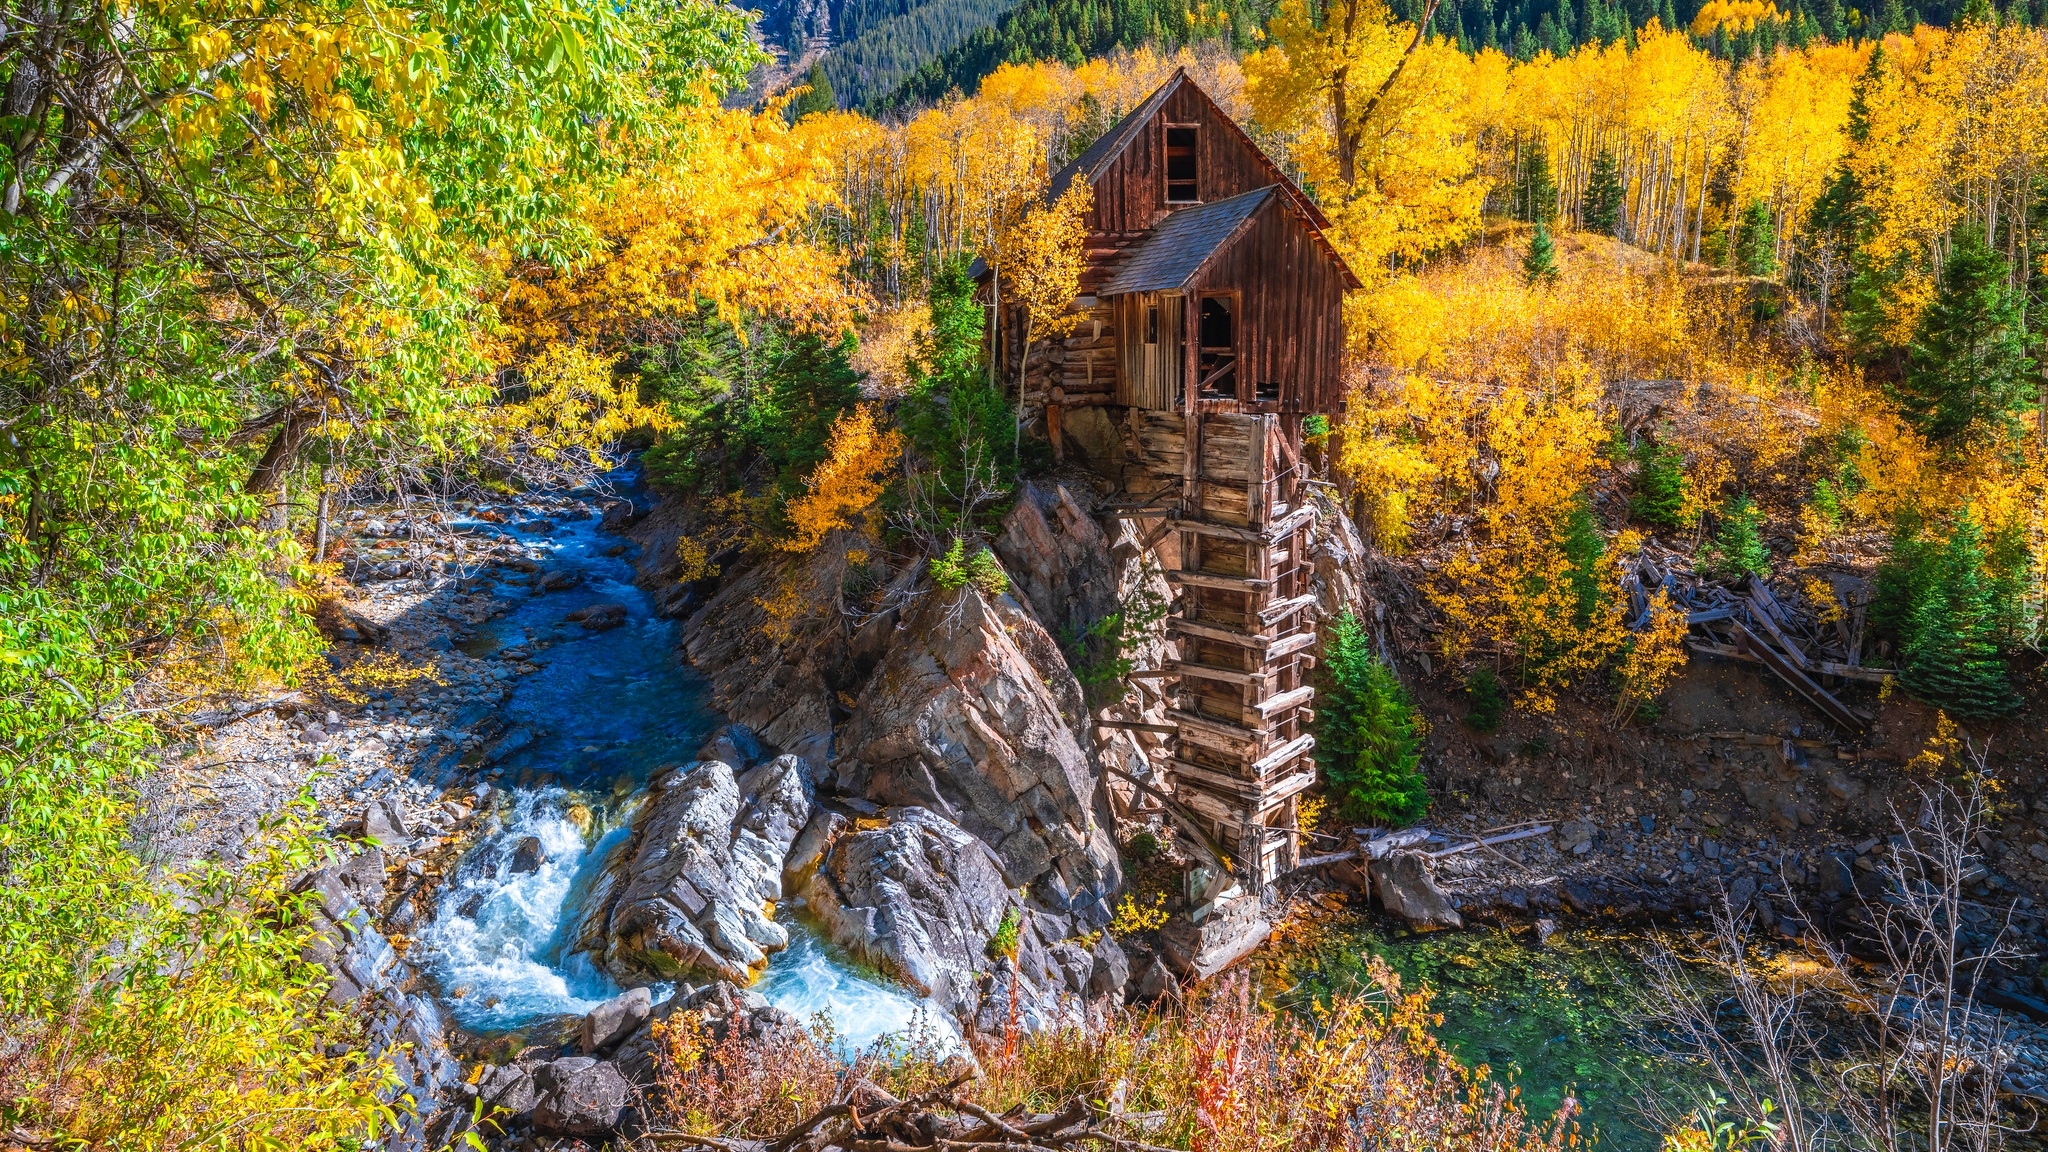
(847, 483)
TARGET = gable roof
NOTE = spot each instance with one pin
(1171, 254)
(1111, 144)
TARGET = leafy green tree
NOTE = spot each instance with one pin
(1540, 264)
(1367, 739)
(1967, 371)
(1658, 494)
(1756, 241)
(1600, 208)
(1738, 547)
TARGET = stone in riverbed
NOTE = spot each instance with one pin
(689, 890)
(527, 855)
(919, 897)
(580, 1097)
(614, 1020)
(1405, 888)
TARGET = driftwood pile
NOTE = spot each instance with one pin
(1811, 647)
(866, 1118)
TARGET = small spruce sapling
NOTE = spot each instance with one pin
(1738, 548)
(1658, 495)
(1540, 265)
(1368, 741)
(1483, 691)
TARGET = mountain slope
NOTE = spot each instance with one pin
(1073, 31)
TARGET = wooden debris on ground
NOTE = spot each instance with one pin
(866, 1118)
(1810, 647)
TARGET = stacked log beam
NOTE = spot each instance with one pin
(1243, 753)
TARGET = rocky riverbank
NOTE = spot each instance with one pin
(920, 773)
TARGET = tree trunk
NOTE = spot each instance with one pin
(268, 477)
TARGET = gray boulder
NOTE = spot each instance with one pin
(963, 717)
(506, 1088)
(614, 1020)
(580, 1097)
(920, 898)
(689, 889)
(373, 981)
(735, 744)
(1405, 888)
(1111, 970)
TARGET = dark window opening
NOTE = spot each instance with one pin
(1181, 186)
(1218, 358)
(1151, 323)
(1268, 392)
(1216, 330)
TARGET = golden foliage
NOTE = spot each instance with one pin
(1733, 15)
(1654, 655)
(574, 404)
(1400, 185)
(846, 483)
(1132, 917)
(718, 214)
(889, 344)
(1041, 259)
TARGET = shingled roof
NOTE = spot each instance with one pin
(1179, 245)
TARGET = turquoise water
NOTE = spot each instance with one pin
(1563, 1018)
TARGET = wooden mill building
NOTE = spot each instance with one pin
(1213, 325)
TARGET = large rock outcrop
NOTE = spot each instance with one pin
(924, 900)
(403, 1023)
(918, 898)
(959, 719)
(690, 889)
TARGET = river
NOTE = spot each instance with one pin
(607, 709)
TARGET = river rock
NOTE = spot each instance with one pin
(1154, 983)
(527, 855)
(598, 617)
(506, 1088)
(918, 897)
(689, 889)
(614, 1020)
(374, 982)
(619, 515)
(959, 719)
(580, 1097)
(735, 744)
(1405, 888)
(557, 579)
(384, 823)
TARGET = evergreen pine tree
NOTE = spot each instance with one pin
(1540, 265)
(1601, 207)
(1756, 241)
(1738, 548)
(818, 99)
(1833, 20)
(1366, 739)
(1539, 188)
(1967, 371)
(1950, 649)
(1579, 538)
(1658, 495)
(1891, 18)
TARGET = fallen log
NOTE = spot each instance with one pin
(1490, 841)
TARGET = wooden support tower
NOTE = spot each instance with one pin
(1243, 750)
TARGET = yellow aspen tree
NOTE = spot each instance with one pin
(847, 482)
(1041, 259)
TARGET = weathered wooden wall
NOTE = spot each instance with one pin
(1290, 322)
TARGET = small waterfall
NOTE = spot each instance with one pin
(497, 936)
(810, 978)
